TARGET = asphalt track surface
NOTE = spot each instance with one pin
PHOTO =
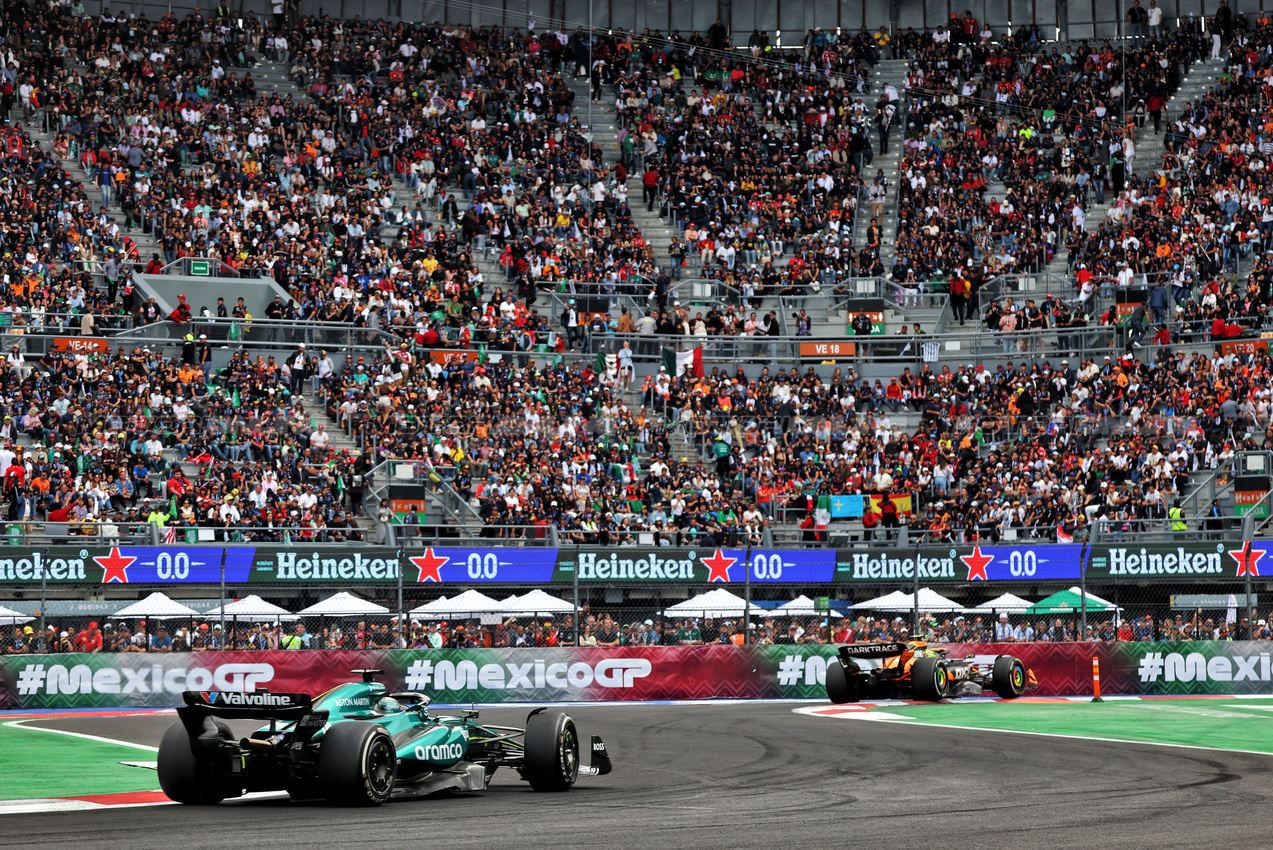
(743, 776)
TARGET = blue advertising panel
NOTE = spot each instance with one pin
(961, 563)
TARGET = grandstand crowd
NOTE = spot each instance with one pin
(760, 158)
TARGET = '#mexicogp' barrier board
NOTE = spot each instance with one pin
(586, 673)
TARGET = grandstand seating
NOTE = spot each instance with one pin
(436, 188)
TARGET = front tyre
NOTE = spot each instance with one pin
(183, 777)
(929, 679)
(840, 687)
(552, 751)
(357, 764)
(1008, 677)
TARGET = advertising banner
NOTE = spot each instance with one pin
(64, 565)
(123, 565)
(1164, 562)
(465, 564)
(449, 676)
(961, 563)
(694, 566)
(356, 565)
(590, 673)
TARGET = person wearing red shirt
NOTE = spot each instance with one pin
(893, 395)
(89, 640)
(15, 476)
(650, 188)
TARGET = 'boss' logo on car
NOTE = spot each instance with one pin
(440, 752)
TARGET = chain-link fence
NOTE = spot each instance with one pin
(326, 615)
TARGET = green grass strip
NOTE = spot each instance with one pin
(1213, 723)
(35, 764)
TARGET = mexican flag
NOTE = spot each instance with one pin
(677, 362)
(607, 363)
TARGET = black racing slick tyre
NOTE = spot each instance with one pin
(357, 764)
(929, 679)
(181, 776)
(841, 687)
(552, 751)
(1008, 677)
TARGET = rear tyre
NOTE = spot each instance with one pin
(181, 776)
(1008, 678)
(840, 687)
(357, 764)
(552, 751)
(929, 679)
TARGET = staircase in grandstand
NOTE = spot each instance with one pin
(886, 72)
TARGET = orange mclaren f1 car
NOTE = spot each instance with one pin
(915, 670)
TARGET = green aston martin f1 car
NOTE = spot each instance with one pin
(358, 745)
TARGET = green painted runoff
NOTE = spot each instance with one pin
(35, 764)
(1226, 724)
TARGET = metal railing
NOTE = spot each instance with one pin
(244, 533)
(87, 533)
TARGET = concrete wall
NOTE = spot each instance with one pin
(204, 291)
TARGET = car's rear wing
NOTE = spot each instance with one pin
(872, 650)
(201, 706)
(258, 704)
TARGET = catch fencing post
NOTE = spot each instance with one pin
(1248, 534)
(224, 636)
(401, 643)
(915, 599)
(1082, 598)
(575, 580)
(43, 605)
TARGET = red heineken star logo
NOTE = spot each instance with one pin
(429, 565)
(115, 566)
(1248, 559)
(977, 564)
(719, 566)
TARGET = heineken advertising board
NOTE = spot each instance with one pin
(1195, 560)
(362, 564)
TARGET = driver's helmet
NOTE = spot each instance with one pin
(388, 705)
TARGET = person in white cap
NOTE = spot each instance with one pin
(1003, 629)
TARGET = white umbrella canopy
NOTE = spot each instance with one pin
(929, 600)
(10, 617)
(251, 609)
(343, 604)
(803, 606)
(157, 606)
(1009, 602)
(895, 601)
(426, 607)
(713, 603)
(535, 602)
(470, 602)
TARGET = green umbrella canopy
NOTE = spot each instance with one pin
(1067, 602)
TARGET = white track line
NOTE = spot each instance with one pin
(864, 715)
(21, 724)
(53, 804)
